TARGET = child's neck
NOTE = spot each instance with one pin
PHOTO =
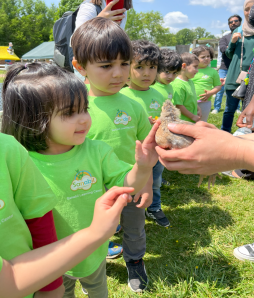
(138, 88)
(202, 67)
(96, 92)
(55, 149)
(183, 77)
(159, 81)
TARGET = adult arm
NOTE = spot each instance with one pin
(232, 45)
(212, 151)
(248, 112)
(223, 44)
(31, 271)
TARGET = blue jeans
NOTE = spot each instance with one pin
(157, 179)
(231, 107)
(219, 95)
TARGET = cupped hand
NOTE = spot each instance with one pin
(212, 151)
(108, 209)
(113, 15)
(247, 113)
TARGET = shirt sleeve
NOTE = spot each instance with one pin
(114, 170)
(87, 11)
(43, 232)
(178, 96)
(223, 44)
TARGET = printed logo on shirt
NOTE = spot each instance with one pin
(170, 96)
(205, 77)
(122, 117)
(2, 204)
(83, 180)
(154, 104)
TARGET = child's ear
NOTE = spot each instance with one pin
(78, 67)
(184, 66)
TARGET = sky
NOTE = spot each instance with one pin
(178, 14)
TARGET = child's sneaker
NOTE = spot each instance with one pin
(114, 250)
(84, 291)
(214, 111)
(159, 217)
(245, 252)
(137, 277)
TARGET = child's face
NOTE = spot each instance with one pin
(106, 77)
(66, 132)
(167, 77)
(204, 59)
(191, 70)
(142, 75)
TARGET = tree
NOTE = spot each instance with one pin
(185, 36)
(149, 26)
(202, 33)
(25, 23)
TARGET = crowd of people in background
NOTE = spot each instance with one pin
(79, 159)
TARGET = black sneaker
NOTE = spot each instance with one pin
(137, 278)
(159, 217)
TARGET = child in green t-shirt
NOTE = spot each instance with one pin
(207, 80)
(102, 53)
(170, 65)
(52, 122)
(184, 97)
(143, 72)
(26, 203)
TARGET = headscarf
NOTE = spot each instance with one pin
(248, 29)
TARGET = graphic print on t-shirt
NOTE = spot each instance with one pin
(83, 180)
(2, 204)
(170, 96)
(154, 105)
(122, 117)
(205, 77)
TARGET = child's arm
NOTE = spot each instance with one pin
(146, 158)
(146, 194)
(209, 93)
(31, 271)
(43, 232)
(199, 112)
(187, 113)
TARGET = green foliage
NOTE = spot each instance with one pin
(185, 36)
(201, 33)
(25, 23)
(66, 5)
(148, 26)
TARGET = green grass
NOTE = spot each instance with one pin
(193, 257)
(2, 72)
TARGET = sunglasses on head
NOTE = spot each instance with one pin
(235, 21)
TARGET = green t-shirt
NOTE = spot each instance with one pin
(206, 79)
(151, 100)
(24, 195)
(118, 121)
(165, 90)
(185, 95)
(77, 177)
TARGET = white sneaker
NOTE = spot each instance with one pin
(214, 111)
(238, 112)
(245, 252)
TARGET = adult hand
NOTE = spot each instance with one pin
(108, 209)
(248, 112)
(212, 151)
(235, 37)
(112, 14)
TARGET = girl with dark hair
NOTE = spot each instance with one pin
(207, 81)
(46, 110)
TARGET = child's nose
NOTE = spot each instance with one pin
(117, 72)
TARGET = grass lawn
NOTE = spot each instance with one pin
(193, 257)
(2, 72)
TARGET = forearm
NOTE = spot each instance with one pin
(215, 90)
(185, 112)
(21, 277)
(230, 50)
(137, 178)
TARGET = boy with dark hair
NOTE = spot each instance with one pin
(170, 64)
(118, 121)
(144, 69)
(185, 98)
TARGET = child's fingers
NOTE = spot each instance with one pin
(151, 136)
(136, 197)
(120, 203)
(110, 197)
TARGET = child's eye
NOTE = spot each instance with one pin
(139, 67)
(153, 67)
(125, 64)
(106, 66)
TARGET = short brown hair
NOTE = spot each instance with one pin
(127, 3)
(198, 50)
(100, 39)
(189, 58)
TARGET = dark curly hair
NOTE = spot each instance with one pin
(169, 61)
(198, 50)
(144, 50)
(31, 94)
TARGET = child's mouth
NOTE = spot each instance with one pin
(80, 131)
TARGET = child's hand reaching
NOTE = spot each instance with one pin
(199, 113)
(108, 209)
(146, 195)
(205, 96)
(146, 156)
(223, 81)
(151, 120)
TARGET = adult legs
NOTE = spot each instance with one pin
(228, 116)
(219, 95)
